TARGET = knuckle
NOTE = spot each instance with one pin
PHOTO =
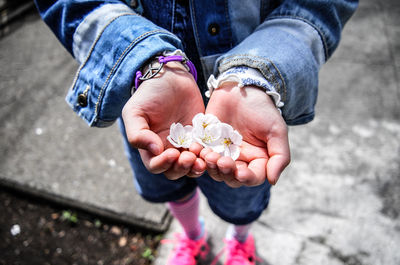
(133, 139)
(281, 129)
(216, 177)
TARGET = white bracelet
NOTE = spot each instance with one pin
(244, 76)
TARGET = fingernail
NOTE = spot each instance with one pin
(153, 148)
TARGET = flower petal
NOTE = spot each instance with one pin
(226, 130)
(234, 151)
(172, 131)
(236, 138)
(188, 129)
(172, 141)
(187, 143)
(197, 120)
(218, 148)
(179, 129)
(210, 119)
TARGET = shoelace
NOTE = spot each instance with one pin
(185, 246)
(238, 252)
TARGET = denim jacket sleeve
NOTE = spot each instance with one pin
(294, 39)
(111, 42)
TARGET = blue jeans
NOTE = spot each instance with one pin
(234, 205)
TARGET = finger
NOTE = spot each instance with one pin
(243, 174)
(279, 154)
(249, 152)
(196, 148)
(139, 134)
(240, 164)
(198, 168)
(258, 167)
(226, 168)
(275, 166)
(161, 163)
(204, 152)
(233, 183)
(182, 166)
(211, 160)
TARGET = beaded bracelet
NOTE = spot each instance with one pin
(152, 71)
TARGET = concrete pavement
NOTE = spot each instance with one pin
(49, 151)
(337, 203)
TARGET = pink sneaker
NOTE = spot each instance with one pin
(187, 251)
(238, 253)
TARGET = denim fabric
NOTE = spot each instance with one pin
(237, 206)
(252, 33)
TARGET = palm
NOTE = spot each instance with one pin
(162, 104)
(252, 113)
(171, 97)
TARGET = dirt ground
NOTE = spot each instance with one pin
(34, 231)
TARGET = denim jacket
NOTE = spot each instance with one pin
(286, 41)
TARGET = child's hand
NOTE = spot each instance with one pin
(265, 149)
(172, 96)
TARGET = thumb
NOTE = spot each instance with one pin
(140, 136)
(279, 155)
(276, 164)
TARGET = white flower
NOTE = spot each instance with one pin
(206, 129)
(180, 136)
(229, 142)
(202, 121)
(15, 230)
(208, 136)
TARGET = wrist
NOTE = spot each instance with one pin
(154, 68)
(235, 94)
(244, 76)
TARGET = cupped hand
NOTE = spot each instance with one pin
(264, 152)
(171, 96)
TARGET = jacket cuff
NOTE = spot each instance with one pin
(288, 53)
(103, 82)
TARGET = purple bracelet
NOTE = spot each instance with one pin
(153, 71)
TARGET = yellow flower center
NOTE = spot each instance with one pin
(204, 125)
(181, 140)
(227, 141)
(207, 138)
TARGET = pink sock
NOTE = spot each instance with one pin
(239, 232)
(187, 213)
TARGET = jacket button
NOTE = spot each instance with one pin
(82, 100)
(213, 29)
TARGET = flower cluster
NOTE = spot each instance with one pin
(208, 131)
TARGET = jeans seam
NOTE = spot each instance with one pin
(173, 15)
(193, 17)
(228, 19)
